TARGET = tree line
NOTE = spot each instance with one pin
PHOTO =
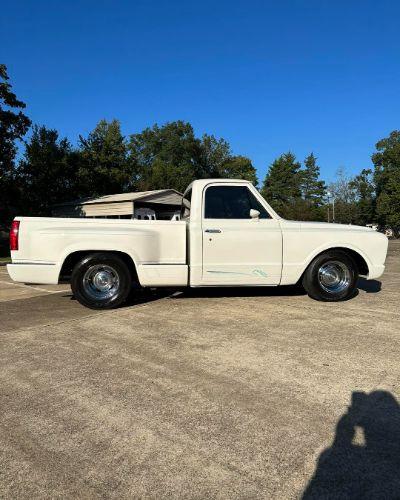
(50, 170)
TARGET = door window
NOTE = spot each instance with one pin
(231, 202)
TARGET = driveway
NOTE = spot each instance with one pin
(203, 394)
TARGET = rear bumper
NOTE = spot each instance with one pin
(45, 274)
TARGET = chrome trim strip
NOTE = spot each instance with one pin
(27, 263)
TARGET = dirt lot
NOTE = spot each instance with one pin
(251, 393)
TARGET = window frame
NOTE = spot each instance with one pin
(188, 191)
(252, 192)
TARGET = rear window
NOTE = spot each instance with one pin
(186, 204)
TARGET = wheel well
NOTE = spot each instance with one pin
(361, 264)
(73, 258)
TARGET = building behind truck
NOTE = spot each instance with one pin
(163, 204)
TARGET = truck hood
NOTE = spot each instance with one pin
(325, 226)
(334, 227)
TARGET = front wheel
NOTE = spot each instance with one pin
(101, 281)
(331, 277)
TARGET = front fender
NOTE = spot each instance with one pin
(345, 246)
(293, 270)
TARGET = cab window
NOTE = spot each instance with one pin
(231, 202)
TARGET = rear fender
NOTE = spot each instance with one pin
(96, 248)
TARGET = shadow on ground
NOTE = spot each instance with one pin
(369, 286)
(364, 459)
(143, 296)
(146, 295)
(268, 291)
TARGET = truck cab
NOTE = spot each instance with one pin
(235, 237)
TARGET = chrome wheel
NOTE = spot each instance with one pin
(334, 276)
(101, 282)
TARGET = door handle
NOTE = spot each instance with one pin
(213, 231)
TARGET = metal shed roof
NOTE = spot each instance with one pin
(164, 196)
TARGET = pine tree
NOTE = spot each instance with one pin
(313, 189)
(364, 190)
(282, 185)
(48, 172)
(387, 180)
(106, 167)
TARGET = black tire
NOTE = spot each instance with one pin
(101, 281)
(331, 277)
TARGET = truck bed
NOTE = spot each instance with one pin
(45, 243)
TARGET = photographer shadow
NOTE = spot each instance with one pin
(364, 459)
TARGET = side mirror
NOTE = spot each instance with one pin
(254, 214)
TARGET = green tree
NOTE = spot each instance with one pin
(47, 174)
(13, 127)
(239, 167)
(387, 180)
(364, 190)
(282, 185)
(167, 175)
(172, 156)
(106, 167)
(214, 154)
(313, 189)
(217, 161)
(167, 156)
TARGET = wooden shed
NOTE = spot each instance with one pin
(164, 202)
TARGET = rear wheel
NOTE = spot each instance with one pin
(101, 281)
(332, 276)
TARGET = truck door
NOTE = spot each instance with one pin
(239, 249)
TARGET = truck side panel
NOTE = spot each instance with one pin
(155, 243)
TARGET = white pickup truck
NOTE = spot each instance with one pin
(228, 236)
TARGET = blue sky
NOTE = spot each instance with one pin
(272, 76)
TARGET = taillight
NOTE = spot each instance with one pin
(14, 235)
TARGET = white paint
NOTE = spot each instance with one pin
(256, 251)
(159, 275)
